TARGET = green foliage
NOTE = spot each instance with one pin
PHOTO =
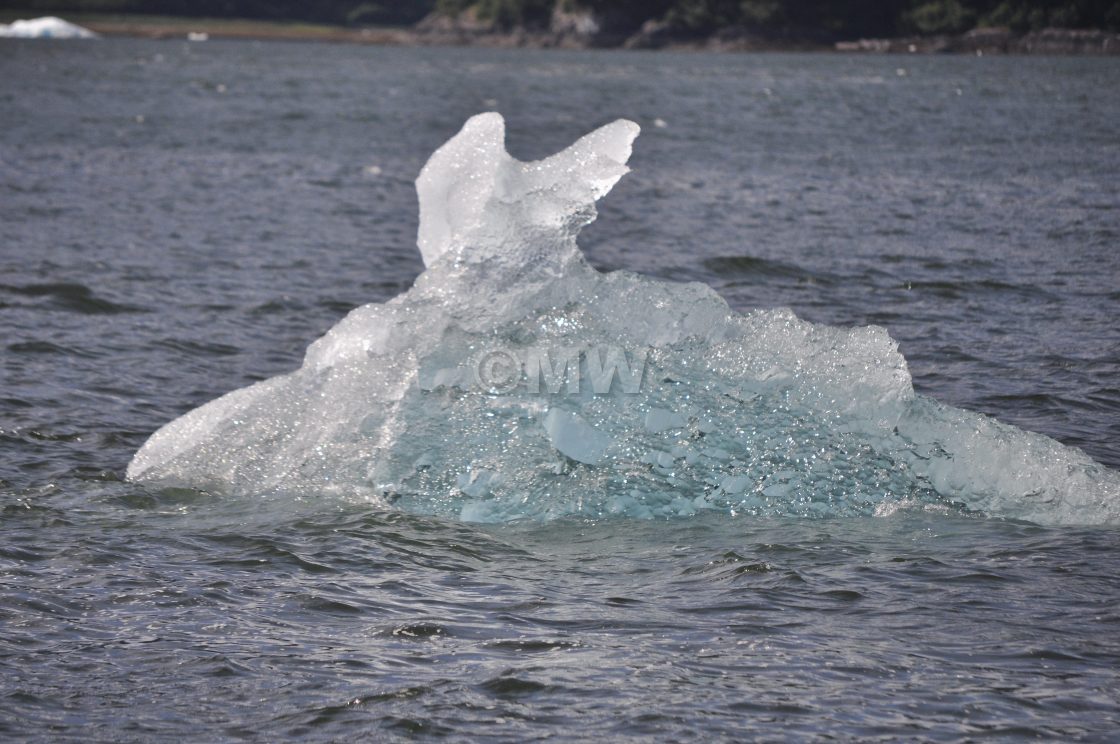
(759, 12)
(939, 17)
(703, 15)
(1028, 15)
(508, 14)
(377, 14)
(452, 7)
(817, 18)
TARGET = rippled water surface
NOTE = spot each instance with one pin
(180, 220)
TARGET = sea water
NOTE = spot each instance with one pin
(183, 220)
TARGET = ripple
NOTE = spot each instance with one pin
(76, 298)
(177, 614)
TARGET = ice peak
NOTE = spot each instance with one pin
(479, 202)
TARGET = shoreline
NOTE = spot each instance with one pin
(1071, 42)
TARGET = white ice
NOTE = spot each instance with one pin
(761, 414)
(47, 27)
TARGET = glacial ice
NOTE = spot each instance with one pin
(47, 27)
(515, 381)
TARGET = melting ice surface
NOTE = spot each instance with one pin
(47, 27)
(515, 381)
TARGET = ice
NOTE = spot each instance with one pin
(478, 203)
(574, 437)
(47, 27)
(514, 381)
(660, 419)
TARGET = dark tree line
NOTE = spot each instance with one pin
(835, 18)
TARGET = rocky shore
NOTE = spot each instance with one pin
(582, 31)
(995, 41)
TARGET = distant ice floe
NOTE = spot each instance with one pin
(48, 27)
(515, 381)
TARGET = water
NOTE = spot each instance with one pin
(180, 220)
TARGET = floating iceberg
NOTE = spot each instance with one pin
(47, 27)
(515, 381)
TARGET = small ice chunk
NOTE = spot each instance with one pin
(478, 483)
(574, 437)
(682, 507)
(776, 491)
(660, 419)
(480, 511)
(47, 27)
(735, 483)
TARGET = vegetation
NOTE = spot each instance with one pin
(831, 18)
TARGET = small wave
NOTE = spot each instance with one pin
(753, 267)
(70, 297)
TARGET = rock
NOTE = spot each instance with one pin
(1069, 41)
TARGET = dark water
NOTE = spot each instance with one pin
(180, 220)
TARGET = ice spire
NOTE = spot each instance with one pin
(477, 201)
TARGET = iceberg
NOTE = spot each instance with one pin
(515, 381)
(47, 27)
